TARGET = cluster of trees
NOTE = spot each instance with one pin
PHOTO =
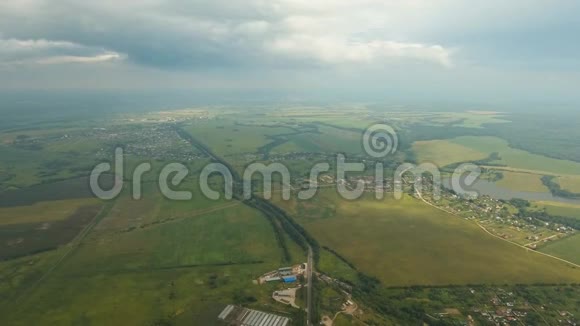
(521, 204)
(548, 134)
(524, 210)
(556, 190)
(489, 161)
(564, 220)
(241, 297)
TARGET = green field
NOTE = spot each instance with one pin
(559, 209)
(17, 240)
(471, 148)
(459, 119)
(522, 182)
(517, 158)
(225, 137)
(175, 269)
(408, 243)
(443, 152)
(332, 265)
(76, 188)
(570, 183)
(69, 259)
(469, 119)
(568, 248)
(54, 158)
(141, 262)
(42, 211)
(326, 140)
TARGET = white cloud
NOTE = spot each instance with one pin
(77, 59)
(16, 45)
(336, 32)
(331, 50)
(45, 52)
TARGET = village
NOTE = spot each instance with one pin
(159, 142)
(504, 307)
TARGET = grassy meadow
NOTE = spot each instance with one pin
(326, 140)
(570, 183)
(519, 181)
(58, 156)
(406, 242)
(330, 264)
(47, 211)
(225, 137)
(69, 259)
(25, 232)
(183, 268)
(522, 170)
(559, 209)
(443, 152)
(472, 148)
(568, 248)
(517, 158)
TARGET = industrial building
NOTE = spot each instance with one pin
(272, 278)
(284, 271)
(239, 316)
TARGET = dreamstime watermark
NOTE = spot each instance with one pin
(378, 141)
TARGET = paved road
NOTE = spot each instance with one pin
(309, 273)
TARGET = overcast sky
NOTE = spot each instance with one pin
(481, 49)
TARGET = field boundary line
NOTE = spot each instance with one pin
(197, 214)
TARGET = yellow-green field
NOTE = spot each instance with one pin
(347, 117)
(559, 209)
(330, 264)
(466, 119)
(568, 248)
(444, 152)
(471, 148)
(42, 211)
(469, 119)
(224, 137)
(518, 158)
(522, 182)
(329, 140)
(406, 242)
(184, 269)
(570, 183)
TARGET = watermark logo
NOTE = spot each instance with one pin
(378, 142)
